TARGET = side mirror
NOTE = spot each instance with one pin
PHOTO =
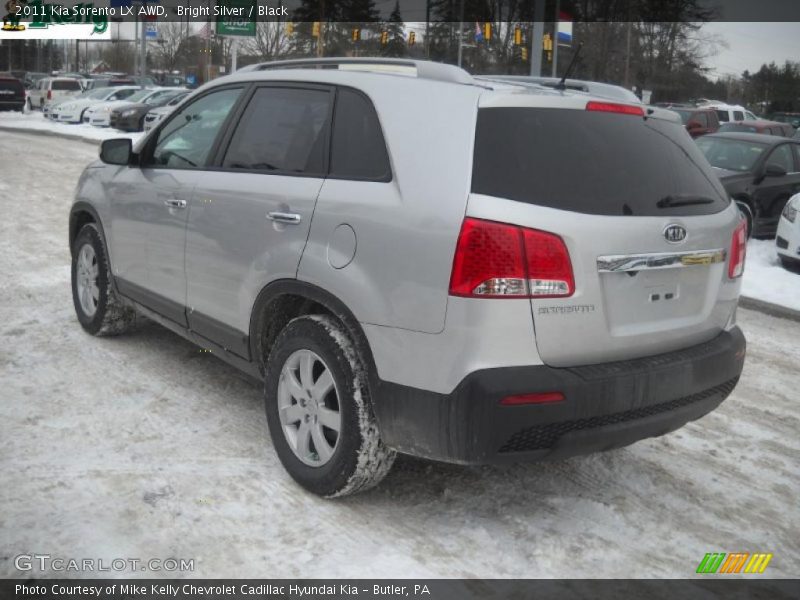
(774, 170)
(116, 152)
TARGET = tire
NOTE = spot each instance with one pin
(747, 214)
(99, 310)
(790, 264)
(356, 458)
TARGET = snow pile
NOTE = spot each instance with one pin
(765, 279)
(35, 121)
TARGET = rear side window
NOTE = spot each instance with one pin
(282, 129)
(738, 115)
(358, 150)
(723, 116)
(592, 162)
(66, 85)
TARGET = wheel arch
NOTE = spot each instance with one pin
(281, 301)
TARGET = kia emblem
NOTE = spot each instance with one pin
(674, 233)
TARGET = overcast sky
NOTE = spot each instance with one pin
(752, 44)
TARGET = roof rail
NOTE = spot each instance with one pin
(423, 69)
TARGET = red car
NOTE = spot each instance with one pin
(698, 121)
(760, 126)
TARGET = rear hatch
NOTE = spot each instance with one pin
(647, 225)
(11, 90)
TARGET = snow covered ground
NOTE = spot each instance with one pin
(143, 446)
(766, 279)
(35, 121)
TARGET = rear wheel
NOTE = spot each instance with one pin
(320, 412)
(99, 310)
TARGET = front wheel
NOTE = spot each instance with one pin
(99, 310)
(319, 410)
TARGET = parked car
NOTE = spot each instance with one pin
(698, 121)
(50, 90)
(12, 93)
(102, 82)
(729, 113)
(131, 117)
(155, 115)
(758, 126)
(792, 118)
(100, 115)
(787, 242)
(760, 172)
(72, 111)
(606, 90)
(508, 300)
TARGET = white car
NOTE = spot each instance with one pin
(787, 242)
(730, 113)
(71, 111)
(155, 115)
(100, 115)
(52, 90)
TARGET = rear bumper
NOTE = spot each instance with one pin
(606, 406)
(12, 104)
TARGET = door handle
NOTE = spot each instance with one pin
(173, 203)
(282, 217)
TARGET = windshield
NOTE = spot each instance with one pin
(139, 96)
(734, 155)
(684, 114)
(592, 162)
(738, 127)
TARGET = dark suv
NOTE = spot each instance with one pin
(12, 93)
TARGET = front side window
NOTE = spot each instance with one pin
(782, 156)
(186, 140)
(738, 115)
(283, 130)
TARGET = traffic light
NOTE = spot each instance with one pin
(412, 37)
(487, 31)
(518, 36)
(315, 29)
(356, 34)
(384, 38)
(524, 54)
(289, 28)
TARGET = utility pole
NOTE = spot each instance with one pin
(143, 50)
(427, 28)
(627, 53)
(234, 53)
(537, 38)
(555, 39)
(461, 32)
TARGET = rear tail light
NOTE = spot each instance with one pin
(497, 260)
(49, 94)
(613, 107)
(538, 398)
(738, 250)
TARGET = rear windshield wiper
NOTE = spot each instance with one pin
(673, 201)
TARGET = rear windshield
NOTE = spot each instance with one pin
(731, 154)
(66, 85)
(593, 162)
(684, 114)
(12, 85)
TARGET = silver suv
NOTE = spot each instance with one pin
(415, 261)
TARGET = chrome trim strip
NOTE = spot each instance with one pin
(660, 260)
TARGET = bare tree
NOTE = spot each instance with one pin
(167, 51)
(270, 42)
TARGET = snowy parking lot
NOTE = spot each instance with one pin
(145, 447)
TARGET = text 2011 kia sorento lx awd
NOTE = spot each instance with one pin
(415, 261)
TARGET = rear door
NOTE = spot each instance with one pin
(646, 223)
(250, 217)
